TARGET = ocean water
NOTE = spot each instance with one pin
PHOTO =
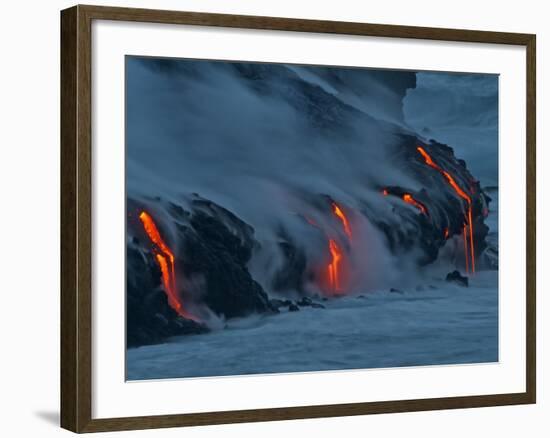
(439, 323)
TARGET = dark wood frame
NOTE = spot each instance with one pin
(76, 238)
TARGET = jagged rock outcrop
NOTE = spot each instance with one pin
(214, 247)
(458, 278)
(441, 212)
(217, 247)
(149, 317)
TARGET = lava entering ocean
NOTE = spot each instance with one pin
(334, 268)
(334, 273)
(469, 227)
(166, 261)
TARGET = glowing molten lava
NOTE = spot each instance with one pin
(165, 260)
(463, 195)
(340, 214)
(167, 281)
(407, 197)
(447, 175)
(334, 266)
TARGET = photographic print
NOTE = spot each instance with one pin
(288, 218)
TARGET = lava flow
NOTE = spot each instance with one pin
(340, 214)
(165, 260)
(334, 266)
(462, 195)
(409, 199)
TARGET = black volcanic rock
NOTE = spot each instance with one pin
(457, 277)
(293, 308)
(291, 275)
(304, 301)
(150, 319)
(277, 303)
(409, 229)
(216, 248)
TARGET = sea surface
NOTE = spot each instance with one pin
(439, 323)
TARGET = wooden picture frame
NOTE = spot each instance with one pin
(76, 226)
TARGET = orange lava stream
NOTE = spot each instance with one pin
(334, 266)
(464, 196)
(165, 259)
(167, 280)
(407, 197)
(340, 214)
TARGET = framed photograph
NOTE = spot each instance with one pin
(271, 218)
